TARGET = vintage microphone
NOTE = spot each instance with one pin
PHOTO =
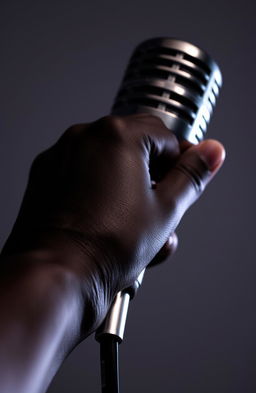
(179, 83)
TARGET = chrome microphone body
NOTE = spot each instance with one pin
(179, 83)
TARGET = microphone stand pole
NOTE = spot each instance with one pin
(111, 334)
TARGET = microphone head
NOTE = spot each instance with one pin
(174, 80)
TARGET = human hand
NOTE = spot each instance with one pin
(106, 198)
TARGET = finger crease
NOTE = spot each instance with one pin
(193, 175)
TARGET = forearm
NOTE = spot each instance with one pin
(42, 310)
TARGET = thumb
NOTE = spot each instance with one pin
(185, 182)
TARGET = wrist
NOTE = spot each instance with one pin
(64, 269)
(97, 272)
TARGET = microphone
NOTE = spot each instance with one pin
(174, 80)
(179, 83)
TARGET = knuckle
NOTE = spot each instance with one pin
(112, 122)
(71, 134)
(155, 125)
(111, 128)
(72, 131)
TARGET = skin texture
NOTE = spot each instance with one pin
(101, 205)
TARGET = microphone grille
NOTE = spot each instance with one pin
(174, 80)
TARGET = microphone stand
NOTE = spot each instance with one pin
(111, 334)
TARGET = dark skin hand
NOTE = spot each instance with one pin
(101, 205)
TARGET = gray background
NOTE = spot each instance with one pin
(192, 327)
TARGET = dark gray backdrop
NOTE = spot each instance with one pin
(192, 327)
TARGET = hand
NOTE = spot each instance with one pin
(106, 198)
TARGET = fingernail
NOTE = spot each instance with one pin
(212, 152)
